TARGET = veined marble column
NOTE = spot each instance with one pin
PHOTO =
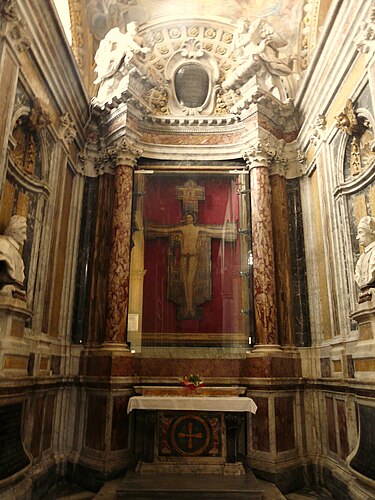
(119, 268)
(264, 282)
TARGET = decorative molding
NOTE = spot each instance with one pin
(315, 135)
(308, 32)
(39, 118)
(68, 131)
(347, 120)
(192, 53)
(359, 125)
(365, 39)
(11, 22)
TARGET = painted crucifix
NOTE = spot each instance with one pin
(189, 252)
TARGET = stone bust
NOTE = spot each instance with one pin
(11, 263)
(365, 268)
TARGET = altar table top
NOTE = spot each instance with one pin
(201, 403)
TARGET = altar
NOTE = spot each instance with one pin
(182, 430)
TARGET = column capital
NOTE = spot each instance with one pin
(263, 154)
(123, 152)
(257, 155)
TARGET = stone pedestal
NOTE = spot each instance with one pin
(14, 352)
(364, 351)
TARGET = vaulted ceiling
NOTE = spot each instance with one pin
(210, 21)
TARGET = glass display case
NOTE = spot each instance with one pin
(189, 278)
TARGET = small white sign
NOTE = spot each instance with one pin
(133, 322)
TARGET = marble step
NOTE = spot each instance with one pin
(189, 486)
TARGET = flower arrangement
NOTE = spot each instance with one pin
(193, 380)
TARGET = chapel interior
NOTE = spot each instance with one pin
(187, 256)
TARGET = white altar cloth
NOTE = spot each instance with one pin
(201, 403)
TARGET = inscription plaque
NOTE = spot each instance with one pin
(13, 457)
(192, 85)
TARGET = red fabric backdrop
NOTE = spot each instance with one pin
(162, 207)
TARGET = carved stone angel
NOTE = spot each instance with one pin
(117, 49)
(256, 48)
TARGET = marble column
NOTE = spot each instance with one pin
(257, 161)
(119, 268)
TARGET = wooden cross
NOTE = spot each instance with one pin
(190, 193)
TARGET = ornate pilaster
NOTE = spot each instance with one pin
(258, 159)
(365, 39)
(125, 155)
(12, 24)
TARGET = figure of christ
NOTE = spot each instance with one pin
(193, 257)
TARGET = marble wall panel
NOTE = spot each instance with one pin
(260, 425)
(331, 425)
(48, 297)
(350, 366)
(281, 238)
(96, 422)
(300, 297)
(284, 423)
(191, 139)
(320, 258)
(55, 364)
(59, 257)
(100, 260)
(37, 409)
(180, 367)
(363, 459)
(12, 457)
(325, 367)
(84, 261)
(120, 423)
(343, 429)
(48, 422)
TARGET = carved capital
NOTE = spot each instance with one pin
(257, 156)
(121, 153)
(68, 130)
(12, 23)
(365, 39)
(127, 153)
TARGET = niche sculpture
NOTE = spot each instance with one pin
(365, 268)
(11, 263)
